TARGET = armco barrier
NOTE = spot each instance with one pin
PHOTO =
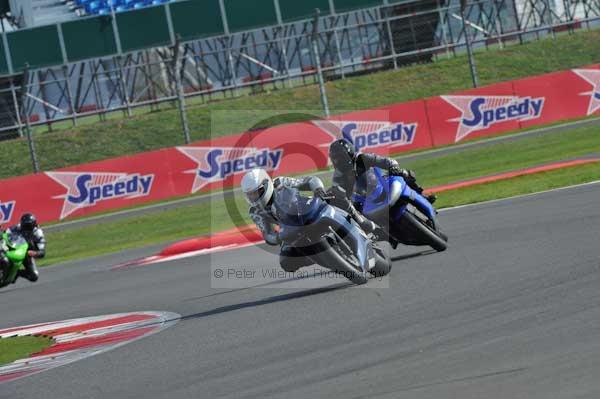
(296, 148)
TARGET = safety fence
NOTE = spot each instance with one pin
(229, 60)
(285, 149)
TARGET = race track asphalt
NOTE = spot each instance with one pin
(511, 310)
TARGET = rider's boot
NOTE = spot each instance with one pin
(431, 198)
(290, 259)
(30, 273)
(411, 180)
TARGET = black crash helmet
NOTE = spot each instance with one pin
(28, 222)
(342, 155)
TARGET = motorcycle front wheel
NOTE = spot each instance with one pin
(3, 274)
(433, 238)
(335, 258)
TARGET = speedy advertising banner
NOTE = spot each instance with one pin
(300, 147)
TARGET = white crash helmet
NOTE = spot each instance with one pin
(257, 187)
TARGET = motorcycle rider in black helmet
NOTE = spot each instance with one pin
(353, 169)
(33, 234)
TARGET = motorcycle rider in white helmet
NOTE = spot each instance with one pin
(261, 191)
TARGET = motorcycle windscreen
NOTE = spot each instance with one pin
(294, 209)
(17, 247)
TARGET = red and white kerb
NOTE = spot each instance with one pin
(77, 339)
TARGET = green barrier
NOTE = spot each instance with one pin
(3, 63)
(145, 28)
(296, 10)
(89, 38)
(4, 6)
(197, 19)
(246, 15)
(150, 27)
(349, 5)
(39, 47)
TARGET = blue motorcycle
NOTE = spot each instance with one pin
(405, 216)
(329, 237)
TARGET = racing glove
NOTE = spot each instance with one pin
(405, 173)
(321, 193)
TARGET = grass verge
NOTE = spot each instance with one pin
(16, 348)
(521, 185)
(116, 137)
(230, 210)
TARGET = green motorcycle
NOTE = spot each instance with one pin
(15, 247)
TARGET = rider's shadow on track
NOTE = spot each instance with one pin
(265, 301)
(283, 297)
(413, 255)
(299, 278)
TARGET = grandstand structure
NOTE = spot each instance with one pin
(31, 13)
(106, 7)
(122, 58)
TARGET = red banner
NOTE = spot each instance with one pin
(300, 147)
(475, 113)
